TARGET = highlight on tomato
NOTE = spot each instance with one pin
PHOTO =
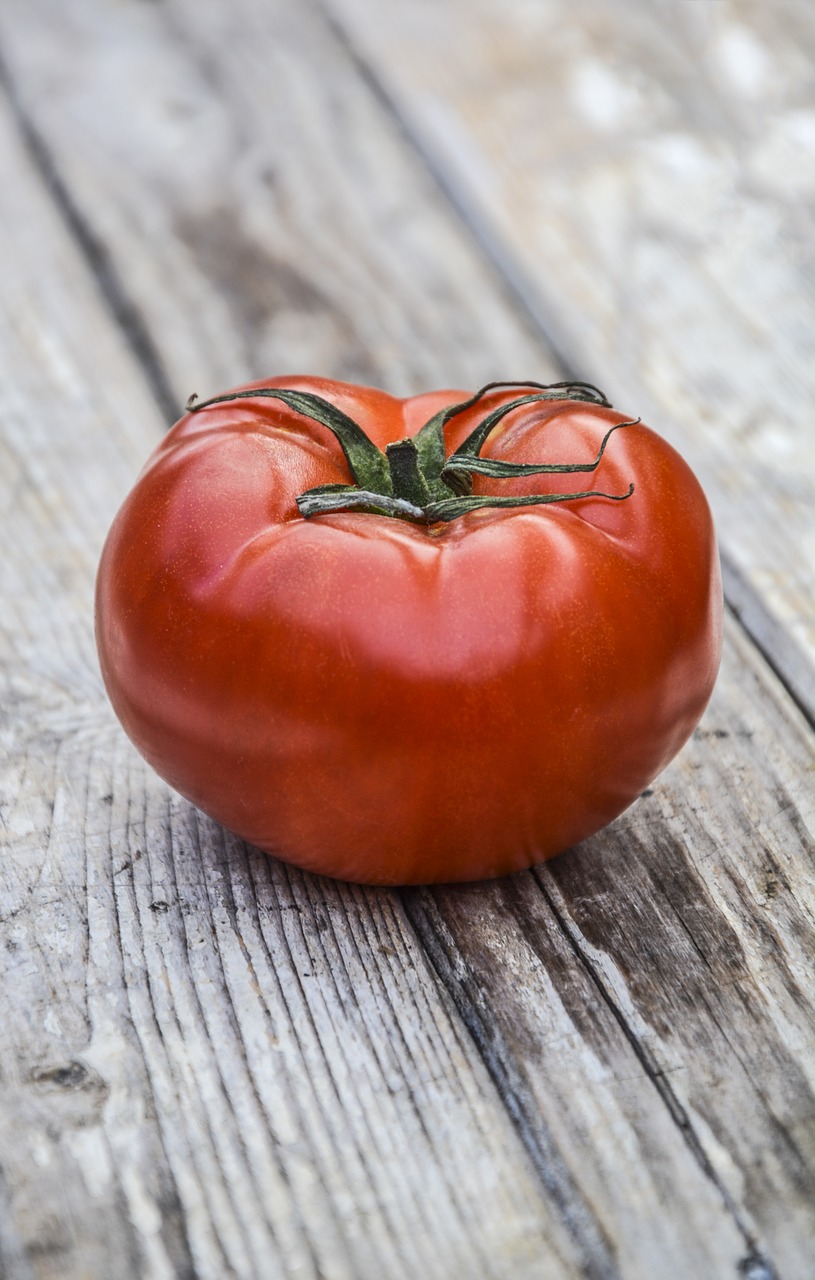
(410, 641)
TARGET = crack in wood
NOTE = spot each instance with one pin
(120, 304)
(754, 1265)
(598, 1261)
(777, 646)
(539, 320)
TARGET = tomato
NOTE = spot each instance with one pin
(417, 663)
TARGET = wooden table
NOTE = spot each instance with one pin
(213, 1065)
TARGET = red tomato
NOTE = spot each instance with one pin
(408, 698)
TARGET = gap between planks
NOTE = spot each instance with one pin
(122, 307)
(779, 648)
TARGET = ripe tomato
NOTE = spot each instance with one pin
(443, 671)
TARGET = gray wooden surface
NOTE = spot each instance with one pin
(212, 1065)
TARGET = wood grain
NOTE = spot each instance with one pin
(693, 919)
(643, 177)
(248, 202)
(209, 1065)
(212, 1065)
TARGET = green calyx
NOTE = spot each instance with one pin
(413, 479)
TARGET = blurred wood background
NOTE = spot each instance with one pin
(212, 1065)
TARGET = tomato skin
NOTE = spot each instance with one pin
(393, 703)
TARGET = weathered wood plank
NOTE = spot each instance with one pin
(645, 181)
(253, 208)
(693, 917)
(208, 1066)
(186, 1002)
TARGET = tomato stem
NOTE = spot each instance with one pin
(407, 478)
(414, 479)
